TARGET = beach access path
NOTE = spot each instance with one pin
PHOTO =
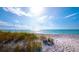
(63, 44)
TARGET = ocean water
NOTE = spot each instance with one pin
(60, 31)
(49, 31)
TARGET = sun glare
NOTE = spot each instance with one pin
(36, 11)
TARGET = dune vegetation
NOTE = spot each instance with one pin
(19, 41)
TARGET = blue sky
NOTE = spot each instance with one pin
(38, 18)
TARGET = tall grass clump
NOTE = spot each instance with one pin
(32, 45)
(30, 38)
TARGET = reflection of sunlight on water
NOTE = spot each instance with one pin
(37, 31)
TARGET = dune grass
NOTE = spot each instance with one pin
(18, 36)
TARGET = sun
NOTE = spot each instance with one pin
(37, 11)
(37, 15)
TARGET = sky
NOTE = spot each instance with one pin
(39, 18)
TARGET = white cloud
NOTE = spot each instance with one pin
(5, 23)
(2, 22)
(70, 15)
(12, 26)
(34, 24)
(43, 19)
(17, 11)
(17, 26)
(40, 23)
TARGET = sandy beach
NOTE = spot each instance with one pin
(63, 43)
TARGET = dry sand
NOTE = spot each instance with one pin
(63, 43)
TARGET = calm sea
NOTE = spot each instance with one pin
(49, 31)
(60, 31)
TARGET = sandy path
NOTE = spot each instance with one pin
(63, 45)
